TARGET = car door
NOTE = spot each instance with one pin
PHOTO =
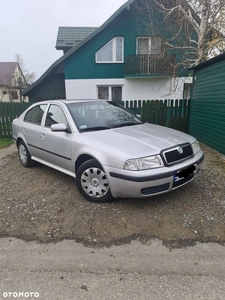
(31, 129)
(56, 145)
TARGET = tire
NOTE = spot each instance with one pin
(92, 182)
(24, 155)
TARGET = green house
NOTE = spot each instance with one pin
(207, 122)
(124, 59)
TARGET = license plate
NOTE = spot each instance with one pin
(184, 173)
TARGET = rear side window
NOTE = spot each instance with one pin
(35, 114)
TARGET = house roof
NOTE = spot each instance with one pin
(7, 71)
(69, 37)
(79, 45)
(209, 62)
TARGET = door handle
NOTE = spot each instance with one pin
(43, 136)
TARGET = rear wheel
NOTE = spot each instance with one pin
(92, 182)
(24, 155)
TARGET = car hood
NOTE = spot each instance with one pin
(138, 140)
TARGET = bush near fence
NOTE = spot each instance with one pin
(171, 113)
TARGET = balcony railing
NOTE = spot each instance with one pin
(150, 64)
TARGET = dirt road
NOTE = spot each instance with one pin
(44, 205)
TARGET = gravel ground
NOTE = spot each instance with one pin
(44, 205)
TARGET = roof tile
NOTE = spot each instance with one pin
(69, 37)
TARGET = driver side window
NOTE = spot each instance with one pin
(55, 115)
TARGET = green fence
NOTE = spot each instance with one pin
(171, 113)
(8, 112)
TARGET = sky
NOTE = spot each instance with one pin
(30, 27)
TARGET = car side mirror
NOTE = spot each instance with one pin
(60, 127)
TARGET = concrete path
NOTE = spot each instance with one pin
(68, 270)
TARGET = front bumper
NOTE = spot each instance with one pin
(137, 184)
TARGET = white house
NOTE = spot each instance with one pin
(12, 82)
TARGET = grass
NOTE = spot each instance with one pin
(5, 142)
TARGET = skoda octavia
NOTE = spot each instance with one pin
(109, 151)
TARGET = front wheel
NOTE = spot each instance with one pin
(92, 182)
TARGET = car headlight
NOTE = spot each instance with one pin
(195, 147)
(144, 163)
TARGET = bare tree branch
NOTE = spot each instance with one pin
(196, 28)
(29, 77)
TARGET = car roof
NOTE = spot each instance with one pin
(66, 101)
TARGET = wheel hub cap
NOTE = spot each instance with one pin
(23, 154)
(94, 182)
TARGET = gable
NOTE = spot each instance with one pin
(128, 25)
(82, 63)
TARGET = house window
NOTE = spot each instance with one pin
(4, 92)
(116, 93)
(103, 92)
(113, 93)
(13, 94)
(112, 52)
(149, 45)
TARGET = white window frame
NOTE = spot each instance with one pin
(113, 61)
(150, 38)
(110, 90)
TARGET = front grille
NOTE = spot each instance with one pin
(177, 154)
(155, 189)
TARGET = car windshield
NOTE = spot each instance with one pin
(90, 116)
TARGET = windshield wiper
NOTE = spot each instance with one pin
(126, 124)
(95, 128)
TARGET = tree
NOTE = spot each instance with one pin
(22, 82)
(216, 44)
(194, 28)
(29, 77)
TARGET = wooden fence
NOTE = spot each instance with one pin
(171, 113)
(8, 112)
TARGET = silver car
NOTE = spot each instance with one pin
(109, 151)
